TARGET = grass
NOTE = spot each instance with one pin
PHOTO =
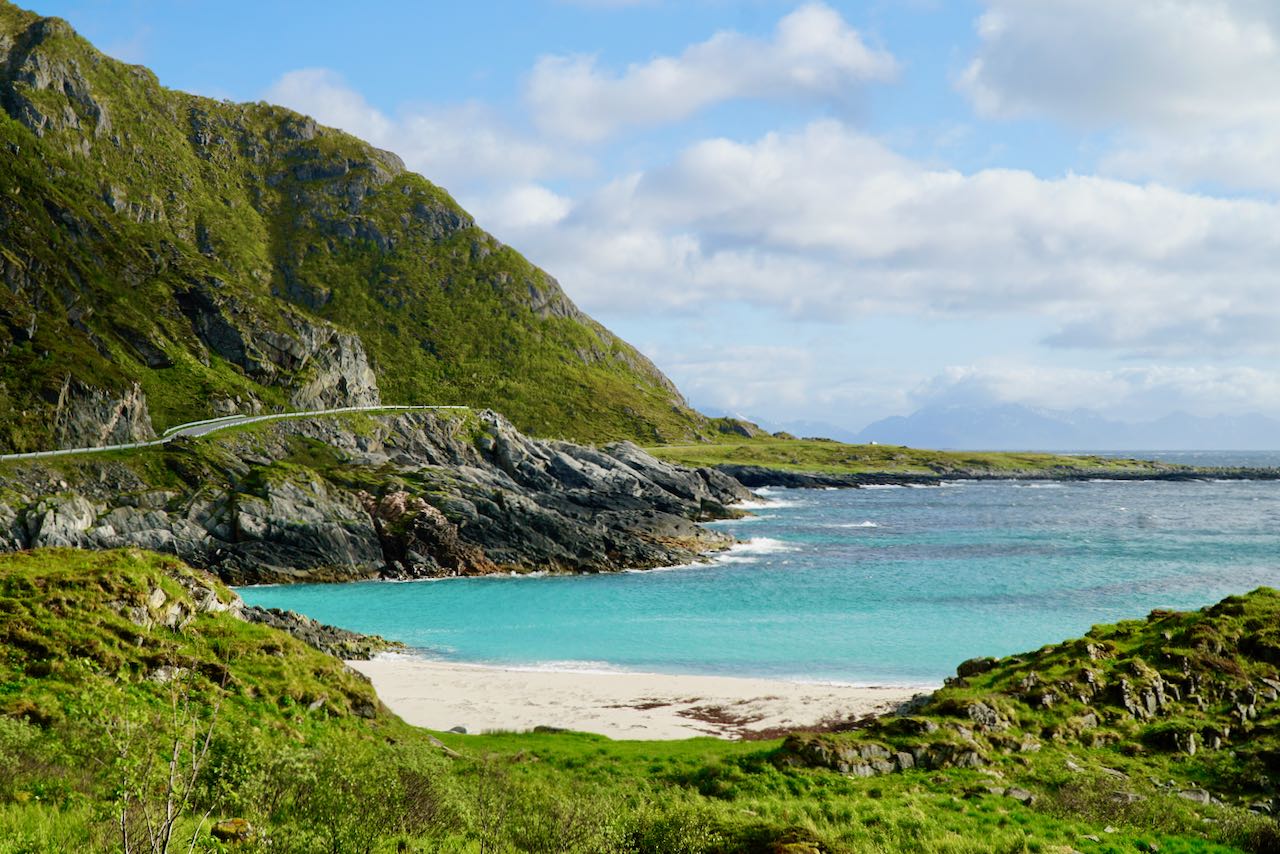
(829, 457)
(302, 751)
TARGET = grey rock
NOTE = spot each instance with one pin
(985, 717)
(86, 416)
(338, 642)
(484, 499)
(322, 367)
(60, 520)
(975, 666)
(166, 673)
(1020, 795)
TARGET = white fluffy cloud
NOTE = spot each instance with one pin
(1192, 87)
(830, 223)
(827, 223)
(1157, 62)
(1137, 392)
(458, 146)
(813, 55)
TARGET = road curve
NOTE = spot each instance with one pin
(212, 425)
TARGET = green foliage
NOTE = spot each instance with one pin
(118, 197)
(299, 749)
(830, 457)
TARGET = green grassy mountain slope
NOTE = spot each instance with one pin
(166, 257)
(114, 663)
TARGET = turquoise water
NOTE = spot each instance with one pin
(888, 585)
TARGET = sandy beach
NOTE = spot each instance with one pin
(440, 695)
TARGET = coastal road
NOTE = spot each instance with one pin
(212, 425)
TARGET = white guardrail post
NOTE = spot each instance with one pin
(213, 425)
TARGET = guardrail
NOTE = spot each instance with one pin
(213, 425)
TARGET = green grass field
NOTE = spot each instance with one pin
(829, 457)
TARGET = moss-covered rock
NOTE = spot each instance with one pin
(1192, 695)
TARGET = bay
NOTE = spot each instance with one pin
(867, 586)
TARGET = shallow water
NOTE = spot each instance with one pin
(881, 586)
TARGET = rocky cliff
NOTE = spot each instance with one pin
(164, 257)
(394, 496)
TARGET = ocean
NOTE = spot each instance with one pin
(882, 586)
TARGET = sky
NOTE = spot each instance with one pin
(826, 212)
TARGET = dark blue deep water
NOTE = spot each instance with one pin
(889, 585)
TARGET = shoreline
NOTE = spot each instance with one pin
(756, 477)
(620, 705)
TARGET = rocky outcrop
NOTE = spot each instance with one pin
(291, 527)
(418, 541)
(30, 72)
(393, 496)
(201, 595)
(89, 417)
(340, 643)
(1192, 694)
(321, 366)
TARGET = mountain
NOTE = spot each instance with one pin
(1013, 426)
(167, 257)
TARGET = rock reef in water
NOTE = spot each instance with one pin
(412, 495)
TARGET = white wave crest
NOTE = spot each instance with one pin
(762, 546)
(753, 549)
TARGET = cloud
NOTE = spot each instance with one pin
(1240, 158)
(814, 55)
(1157, 63)
(1137, 392)
(780, 382)
(740, 378)
(828, 223)
(1191, 88)
(456, 146)
(522, 207)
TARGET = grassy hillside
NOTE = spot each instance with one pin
(830, 457)
(231, 257)
(115, 664)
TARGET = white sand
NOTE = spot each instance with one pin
(440, 696)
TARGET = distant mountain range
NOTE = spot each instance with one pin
(1016, 427)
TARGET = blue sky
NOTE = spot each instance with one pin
(827, 212)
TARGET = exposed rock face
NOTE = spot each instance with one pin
(32, 72)
(340, 643)
(322, 366)
(404, 496)
(297, 527)
(419, 541)
(89, 417)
